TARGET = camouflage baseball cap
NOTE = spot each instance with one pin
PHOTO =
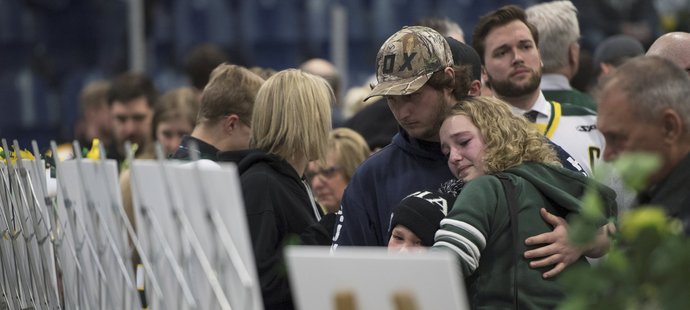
(407, 60)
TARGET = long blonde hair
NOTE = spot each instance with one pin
(292, 115)
(509, 140)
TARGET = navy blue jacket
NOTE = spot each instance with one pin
(404, 166)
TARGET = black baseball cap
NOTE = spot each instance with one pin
(464, 54)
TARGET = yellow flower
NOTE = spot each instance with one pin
(13, 156)
(27, 155)
(95, 152)
(654, 218)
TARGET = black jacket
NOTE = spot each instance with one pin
(206, 151)
(672, 194)
(375, 123)
(279, 210)
(233, 156)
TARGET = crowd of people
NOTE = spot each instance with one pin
(481, 150)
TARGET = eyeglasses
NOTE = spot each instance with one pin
(322, 173)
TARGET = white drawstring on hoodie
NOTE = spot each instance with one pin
(312, 200)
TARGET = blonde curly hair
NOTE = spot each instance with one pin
(509, 140)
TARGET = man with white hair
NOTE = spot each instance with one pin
(673, 46)
(559, 32)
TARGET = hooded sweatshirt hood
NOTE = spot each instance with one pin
(276, 162)
(564, 186)
(489, 222)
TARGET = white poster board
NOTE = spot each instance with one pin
(10, 273)
(92, 190)
(155, 197)
(30, 204)
(210, 192)
(18, 225)
(76, 277)
(37, 176)
(373, 276)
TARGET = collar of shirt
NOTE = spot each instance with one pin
(541, 105)
(554, 81)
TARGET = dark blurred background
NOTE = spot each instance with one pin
(49, 49)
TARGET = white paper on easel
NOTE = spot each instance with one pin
(10, 274)
(157, 227)
(42, 210)
(373, 276)
(20, 234)
(34, 235)
(90, 186)
(66, 251)
(161, 190)
(211, 190)
(81, 278)
(98, 200)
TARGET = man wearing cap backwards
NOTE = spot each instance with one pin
(613, 52)
(416, 74)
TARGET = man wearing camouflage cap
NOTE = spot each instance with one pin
(415, 73)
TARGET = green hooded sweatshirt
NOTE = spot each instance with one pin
(477, 230)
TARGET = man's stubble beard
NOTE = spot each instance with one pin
(442, 110)
(508, 89)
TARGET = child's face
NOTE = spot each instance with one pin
(404, 240)
(462, 143)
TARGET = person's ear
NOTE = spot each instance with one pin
(449, 71)
(674, 128)
(605, 69)
(475, 88)
(574, 56)
(230, 123)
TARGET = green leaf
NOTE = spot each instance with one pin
(592, 205)
(635, 168)
(646, 266)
